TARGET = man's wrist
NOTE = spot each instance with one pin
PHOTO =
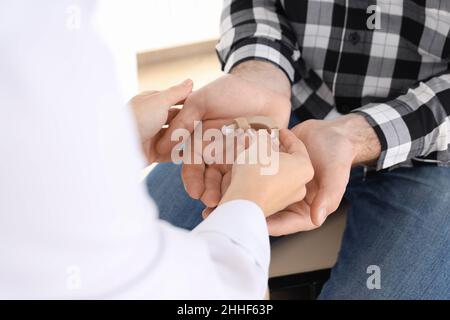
(363, 137)
(265, 74)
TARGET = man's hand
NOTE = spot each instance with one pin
(152, 110)
(334, 146)
(242, 93)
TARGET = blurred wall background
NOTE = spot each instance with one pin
(171, 39)
(176, 22)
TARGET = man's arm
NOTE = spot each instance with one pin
(264, 74)
(257, 30)
(413, 125)
(362, 137)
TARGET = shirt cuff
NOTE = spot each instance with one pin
(243, 222)
(261, 49)
(392, 132)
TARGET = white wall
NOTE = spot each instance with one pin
(169, 23)
(131, 26)
(156, 24)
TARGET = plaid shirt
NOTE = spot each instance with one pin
(397, 76)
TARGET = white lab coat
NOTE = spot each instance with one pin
(74, 221)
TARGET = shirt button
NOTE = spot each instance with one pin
(354, 38)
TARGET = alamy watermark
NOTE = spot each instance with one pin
(374, 20)
(73, 17)
(73, 278)
(218, 146)
(374, 280)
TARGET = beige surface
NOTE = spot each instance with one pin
(309, 251)
(202, 68)
(174, 53)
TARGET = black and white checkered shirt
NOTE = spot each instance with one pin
(390, 63)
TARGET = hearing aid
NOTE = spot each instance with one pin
(256, 123)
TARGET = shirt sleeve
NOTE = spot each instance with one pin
(415, 124)
(225, 257)
(74, 221)
(257, 30)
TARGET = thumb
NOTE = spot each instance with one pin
(291, 143)
(329, 196)
(176, 94)
(185, 119)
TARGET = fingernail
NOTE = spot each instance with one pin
(322, 214)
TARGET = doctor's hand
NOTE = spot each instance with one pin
(252, 88)
(153, 110)
(271, 192)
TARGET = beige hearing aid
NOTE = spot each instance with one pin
(255, 123)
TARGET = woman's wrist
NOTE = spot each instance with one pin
(232, 196)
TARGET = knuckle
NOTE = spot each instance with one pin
(334, 207)
(301, 194)
(309, 171)
(306, 170)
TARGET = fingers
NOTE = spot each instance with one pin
(149, 146)
(172, 114)
(196, 178)
(332, 185)
(226, 180)
(206, 212)
(149, 92)
(150, 152)
(162, 99)
(217, 180)
(290, 143)
(249, 144)
(176, 94)
(193, 179)
(185, 119)
(294, 219)
(213, 182)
